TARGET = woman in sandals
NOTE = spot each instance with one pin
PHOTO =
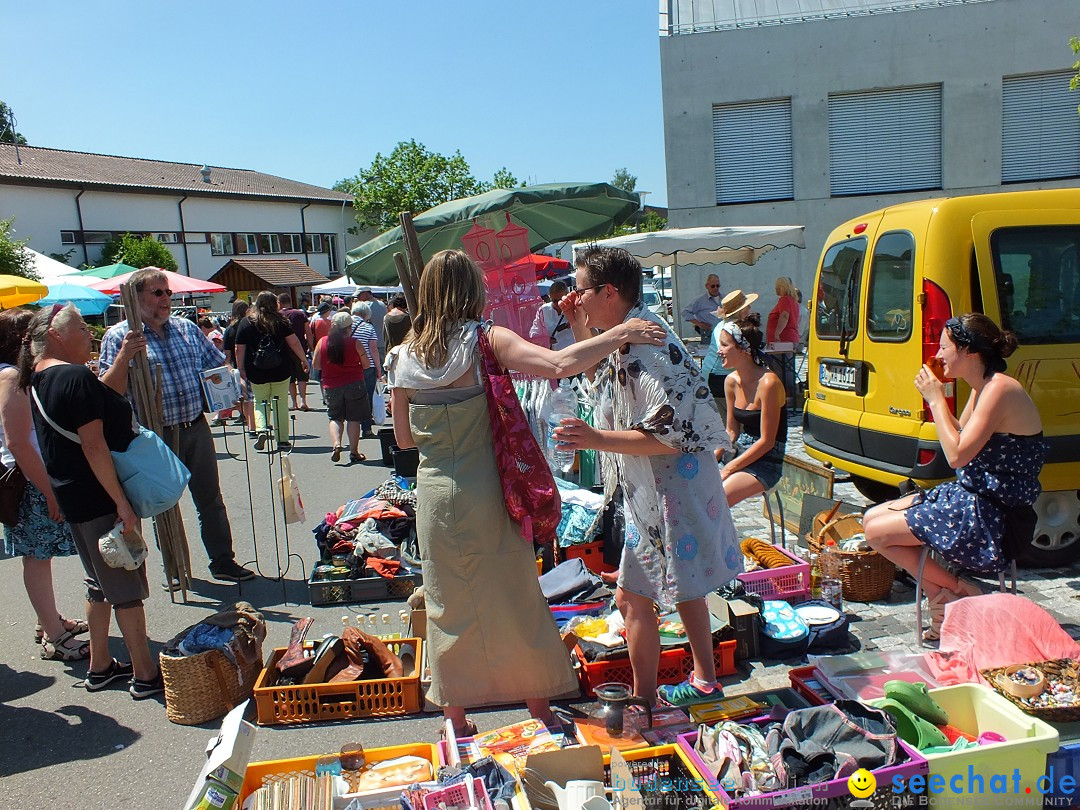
(341, 360)
(40, 532)
(68, 399)
(997, 450)
(491, 636)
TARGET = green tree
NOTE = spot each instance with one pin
(410, 178)
(63, 258)
(622, 179)
(139, 252)
(1074, 82)
(14, 258)
(504, 179)
(7, 133)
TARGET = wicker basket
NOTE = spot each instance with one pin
(866, 575)
(1064, 670)
(200, 688)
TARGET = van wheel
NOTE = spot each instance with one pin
(874, 490)
(1057, 534)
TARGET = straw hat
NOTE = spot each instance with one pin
(734, 303)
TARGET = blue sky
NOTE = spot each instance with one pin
(555, 90)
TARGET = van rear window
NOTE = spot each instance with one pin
(892, 285)
(836, 308)
(1038, 282)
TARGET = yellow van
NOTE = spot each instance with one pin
(886, 284)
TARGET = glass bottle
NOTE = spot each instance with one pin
(815, 577)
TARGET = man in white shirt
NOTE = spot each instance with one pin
(550, 328)
(701, 312)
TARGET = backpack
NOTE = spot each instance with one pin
(783, 634)
(529, 491)
(824, 637)
(267, 353)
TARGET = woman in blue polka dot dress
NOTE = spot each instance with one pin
(997, 450)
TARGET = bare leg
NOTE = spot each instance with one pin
(248, 409)
(292, 394)
(642, 640)
(695, 618)
(302, 388)
(37, 579)
(132, 624)
(98, 616)
(540, 708)
(354, 437)
(335, 433)
(740, 486)
(887, 533)
(456, 714)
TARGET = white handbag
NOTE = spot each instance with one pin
(378, 404)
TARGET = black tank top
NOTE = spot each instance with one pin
(751, 424)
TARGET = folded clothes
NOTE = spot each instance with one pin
(204, 637)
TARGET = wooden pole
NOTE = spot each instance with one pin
(412, 247)
(406, 281)
(146, 389)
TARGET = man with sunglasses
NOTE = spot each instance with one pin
(183, 353)
(701, 312)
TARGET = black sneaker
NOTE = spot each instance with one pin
(231, 571)
(144, 689)
(116, 671)
(284, 445)
(260, 442)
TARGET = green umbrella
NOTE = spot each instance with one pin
(555, 212)
(109, 270)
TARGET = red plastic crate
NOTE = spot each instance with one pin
(804, 680)
(674, 666)
(591, 553)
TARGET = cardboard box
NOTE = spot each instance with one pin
(227, 757)
(744, 618)
(220, 387)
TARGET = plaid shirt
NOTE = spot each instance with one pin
(183, 353)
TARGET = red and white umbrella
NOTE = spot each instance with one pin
(180, 285)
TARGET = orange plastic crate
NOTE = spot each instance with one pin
(308, 703)
(262, 773)
(674, 666)
(591, 553)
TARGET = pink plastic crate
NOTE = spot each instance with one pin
(915, 764)
(790, 583)
(458, 795)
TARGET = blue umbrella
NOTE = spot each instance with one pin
(89, 301)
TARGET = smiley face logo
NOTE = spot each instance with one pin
(861, 783)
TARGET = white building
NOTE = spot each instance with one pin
(205, 215)
(810, 112)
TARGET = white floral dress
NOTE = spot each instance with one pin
(680, 539)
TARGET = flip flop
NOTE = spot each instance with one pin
(911, 728)
(916, 697)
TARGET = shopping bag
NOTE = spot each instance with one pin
(290, 494)
(378, 404)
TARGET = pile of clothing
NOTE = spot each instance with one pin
(238, 630)
(371, 536)
(808, 746)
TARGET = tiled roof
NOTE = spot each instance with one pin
(273, 272)
(39, 166)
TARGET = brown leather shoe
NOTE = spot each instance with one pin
(294, 664)
(325, 654)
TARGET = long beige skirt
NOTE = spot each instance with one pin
(491, 636)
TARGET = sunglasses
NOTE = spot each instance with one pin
(158, 293)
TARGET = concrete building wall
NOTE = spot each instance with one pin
(42, 213)
(966, 49)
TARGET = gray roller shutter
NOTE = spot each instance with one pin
(1040, 128)
(752, 151)
(885, 140)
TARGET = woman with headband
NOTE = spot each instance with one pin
(756, 411)
(997, 450)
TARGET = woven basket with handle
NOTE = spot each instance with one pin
(1063, 670)
(866, 575)
(204, 687)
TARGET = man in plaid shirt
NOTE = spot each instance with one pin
(183, 352)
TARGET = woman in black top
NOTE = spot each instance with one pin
(228, 340)
(264, 343)
(53, 366)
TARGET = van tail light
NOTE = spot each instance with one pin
(926, 456)
(936, 310)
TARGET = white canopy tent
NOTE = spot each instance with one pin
(342, 286)
(696, 246)
(49, 269)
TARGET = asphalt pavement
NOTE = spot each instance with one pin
(67, 748)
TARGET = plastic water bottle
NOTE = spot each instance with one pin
(563, 404)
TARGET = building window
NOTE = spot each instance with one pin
(1040, 130)
(292, 243)
(246, 243)
(96, 237)
(195, 237)
(221, 244)
(885, 141)
(67, 238)
(314, 243)
(270, 243)
(167, 238)
(752, 157)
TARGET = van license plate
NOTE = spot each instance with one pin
(836, 376)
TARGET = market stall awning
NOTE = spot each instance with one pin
(266, 274)
(720, 245)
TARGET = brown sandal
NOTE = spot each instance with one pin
(65, 648)
(356, 458)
